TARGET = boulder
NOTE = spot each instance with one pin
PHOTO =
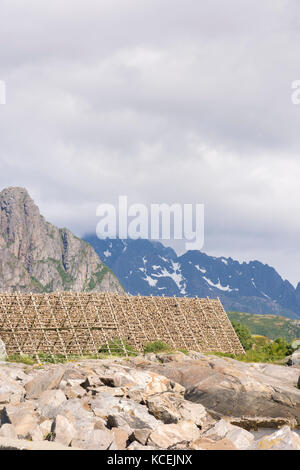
(49, 401)
(283, 439)
(120, 439)
(164, 407)
(35, 434)
(21, 416)
(220, 429)
(167, 436)
(77, 412)
(63, 430)
(240, 438)
(45, 427)
(93, 439)
(73, 377)
(196, 413)
(104, 404)
(140, 435)
(146, 383)
(8, 430)
(91, 381)
(294, 359)
(176, 356)
(75, 391)
(132, 420)
(44, 381)
(11, 391)
(171, 408)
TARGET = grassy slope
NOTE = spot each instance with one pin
(271, 326)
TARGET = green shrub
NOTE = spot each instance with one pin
(243, 334)
(115, 346)
(155, 347)
(274, 351)
(279, 348)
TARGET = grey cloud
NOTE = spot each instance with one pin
(163, 101)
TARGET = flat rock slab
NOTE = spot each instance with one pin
(231, 388)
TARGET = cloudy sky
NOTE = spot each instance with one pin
(163, 101)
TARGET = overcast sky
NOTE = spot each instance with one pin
(161, 100)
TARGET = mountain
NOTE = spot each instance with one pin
(35, 256)
(147, 268)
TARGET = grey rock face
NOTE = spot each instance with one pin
(250, 392)
(36, 256)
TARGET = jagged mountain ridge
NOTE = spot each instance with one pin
(147, 268)
(36, 256)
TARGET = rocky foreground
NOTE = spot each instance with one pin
(163, 401)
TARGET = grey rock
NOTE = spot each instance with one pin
(8, 430)
(120, 439)
(163, 407)
(171, 408)
(10, 390)
(140, 435)
(76, 410)
(35, 434)
(283, 439)
(94, 440)
(295, 358)
(104, 404)
(45, 427)
(167, 436)
(63, 430)
(34, 253)
(49, 402)
(22, 416)
(230, 388)
(131, 415)
(44, 381)
(239, 437)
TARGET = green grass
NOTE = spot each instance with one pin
(29, 360)
(59, 358)
(156, 347)
(271, 326)
(116, 347)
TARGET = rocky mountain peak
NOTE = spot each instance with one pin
(37, 256)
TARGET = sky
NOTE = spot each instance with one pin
(163, 101)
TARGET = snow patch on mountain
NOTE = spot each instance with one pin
(176, 275)
(219, 285)
(202, 270)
